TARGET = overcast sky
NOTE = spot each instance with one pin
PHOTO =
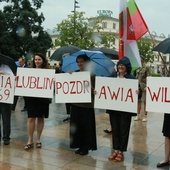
(155, 12)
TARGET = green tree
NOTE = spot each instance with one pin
(75, 30)
(145, 49)
(20, 29)
(108, 39)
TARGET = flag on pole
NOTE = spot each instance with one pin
(128, 44)
(136, 24)
(122, 26)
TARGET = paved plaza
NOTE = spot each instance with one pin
(145, 149)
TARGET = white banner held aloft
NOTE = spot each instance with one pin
(116, 94)
(158, 94)
(73, 88)
(6, 89)
(33, 82)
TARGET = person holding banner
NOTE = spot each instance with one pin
(120, 120)
(166, 133)
(68, 105)
(82, 118)
(5, 110)
(37, 108)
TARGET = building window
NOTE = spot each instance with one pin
(104, 24)
(114, 25)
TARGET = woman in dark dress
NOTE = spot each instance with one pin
(38, 108)
(121, 120)
(82, 119)
(166, 133)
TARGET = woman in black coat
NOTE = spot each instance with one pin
(82, 119)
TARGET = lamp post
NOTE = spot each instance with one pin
(75, 6)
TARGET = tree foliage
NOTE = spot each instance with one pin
(75, 30)
(83, 32)
(20, 29)
(108, 40)
(145, 49)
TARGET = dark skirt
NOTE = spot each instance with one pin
(37, 107)
(166, 125)
(82, 128)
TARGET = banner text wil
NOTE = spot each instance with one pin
(160, 95)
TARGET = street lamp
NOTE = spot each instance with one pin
(75, 6)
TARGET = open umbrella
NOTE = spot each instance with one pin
(100, 64)
(9, 61)
(111, 53)
(163, 47)
(64, 51)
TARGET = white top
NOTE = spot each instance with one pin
(6, 69)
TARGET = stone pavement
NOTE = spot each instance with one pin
(145, 149)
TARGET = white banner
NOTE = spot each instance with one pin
(73, 88)
(116, 94)
(6, 89)
(158, 94)
(35, 82)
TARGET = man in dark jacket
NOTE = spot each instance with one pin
(21, 62)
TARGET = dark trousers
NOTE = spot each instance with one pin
(68, 108)
(5, 115)
(120, 122)
(15, 102)
(25, 102)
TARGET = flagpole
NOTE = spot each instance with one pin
(160, 55)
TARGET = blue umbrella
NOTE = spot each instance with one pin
(100, 64)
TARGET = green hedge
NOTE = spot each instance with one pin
(156, 75)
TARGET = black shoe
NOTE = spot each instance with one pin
(78, 151)
(6, 142)
(23, 110)
(66, 119)
(12, 109)
(163, 164)
(84, 152)
(107, 131)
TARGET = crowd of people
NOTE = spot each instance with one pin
(83, 126)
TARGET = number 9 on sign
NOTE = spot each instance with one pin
(4, 94)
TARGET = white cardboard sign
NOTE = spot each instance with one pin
(33, 82)
(73, 88)
(116, 94)
(6, 89)
(158, 94)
